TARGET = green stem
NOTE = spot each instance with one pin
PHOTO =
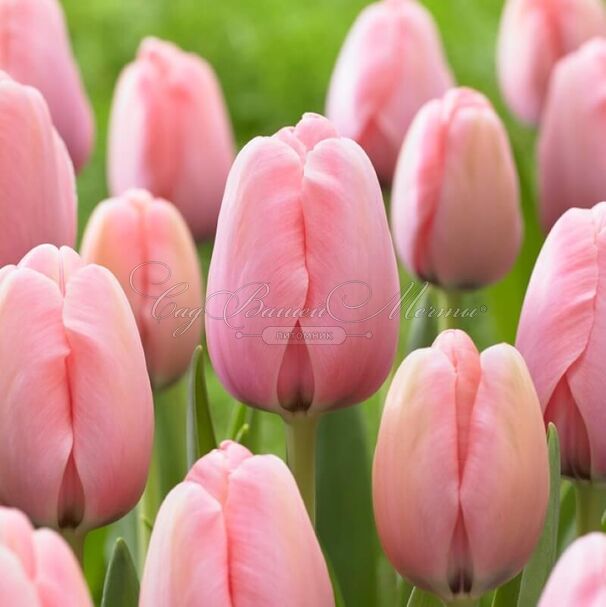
(449, 303)
(75, 539)
(301, 455)
(462, 602)
(146, 512)
(591, 503)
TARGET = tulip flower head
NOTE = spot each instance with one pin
(456, 216)
(534, 35)
(562, 338)
(460, 474)
(76, 412)
(298, 315)
(390, 65)
(170, 133)
(146, 244)
(235, 532)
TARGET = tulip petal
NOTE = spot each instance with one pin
(16, 589)
(15, 535)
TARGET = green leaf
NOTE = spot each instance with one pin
(537, 571)
(420, 598)
(507, 595)
(121, 587)
(200, 430)
(567, 526)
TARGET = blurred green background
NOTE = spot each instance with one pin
(274, 59)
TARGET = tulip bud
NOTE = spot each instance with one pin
(534, 35)
(170, 133)
(38, 203)
(460, 476)
(578, 578)
(235, 532)
(392, 62)
(146, 244)
(38, 567)
(76, 412)
(456, 218)
(572, 142)
(301, 274)
(562, 339)
(35, 50)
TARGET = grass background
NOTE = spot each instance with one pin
(274, 59)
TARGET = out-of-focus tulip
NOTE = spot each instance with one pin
(35, 50)
(392, 63)
(572, 143)
(146, 244)
(460, 476)
(76, 412)
(302, 269)
(38, 203)
(170, 133)
(456, 217)
(578, 578)
(38, 567)
(534, 36)
(235, 532)
(562, 336)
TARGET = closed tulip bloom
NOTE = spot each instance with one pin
(35, 50)
(578, 578)
(301, 274)
(534, 35)
(76, 413)
(572, 142)
(392, 62)
(170, 133)
(561, 335)
(235, 533)
(145, 242)
(38, 567)
(456, 217)
(460, 475)
(38, 203)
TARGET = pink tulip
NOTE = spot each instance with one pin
(578, 579)
(146, 244)
(563, 339)
(76, 415)
(235, 533)
(170, 133)
(572, 143)
(455, 204)
(534, 35)
(460, 476)
(35, 50)
(37, 567)
(302, 270)
(38, 202)
(391, 64)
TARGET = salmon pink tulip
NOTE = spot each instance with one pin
(298, 313)
(392, 62)
(170, 133)
(76, 414)
(460, 476)
(235, 533)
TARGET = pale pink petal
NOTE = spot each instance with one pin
(16, 589)
(16, 536)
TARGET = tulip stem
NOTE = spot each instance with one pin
(591, 503)
(451, 308)
(75, 539)
(462, 602)
(301, 455)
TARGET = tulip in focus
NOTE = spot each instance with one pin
(572, 143)
(534, 36)
(578, 578)
(76, 414)
(298, 313)
(563, 338)
(37, 567)
(460, 475)
(35, 50)
(147, 246)
(456, 217)
(392, 62)
(235, 533)
(38, 202)
(170, 133)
